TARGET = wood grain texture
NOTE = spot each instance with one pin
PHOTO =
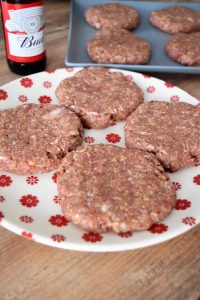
(32, 271)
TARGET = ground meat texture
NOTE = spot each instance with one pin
(105, 187)
(185, 48)
(99, 97)
(112, 15)
(176, 19)
(34, 138)
(169, 130)
(118, 46)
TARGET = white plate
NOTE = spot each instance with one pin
(28, 203)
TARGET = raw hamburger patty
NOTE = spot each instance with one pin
(112, 15)
(34, 138)
(169, 130)
(118, 46)
(99, 97)
(185, 48)
(105, 187)
(176, 19)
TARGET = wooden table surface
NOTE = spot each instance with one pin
(32, 271)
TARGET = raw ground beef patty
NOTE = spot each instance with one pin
(185, 48)
(99, 97)
(169, 130)
(34, 138)
(112, 15)
(118, 46)
(105, 187)
(176, 19)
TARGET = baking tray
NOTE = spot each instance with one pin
(80, 32)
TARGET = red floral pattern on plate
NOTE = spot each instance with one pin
(45, 99)
(29, 200)
(196, 179)
(3, 95)
(125, 234)
(26, 82)
(169, 84)
(50, 71)
(182, 204)
(113, 138)
(189, 221)
(26, 219)
(27, 235)
(1, 216)
(54, 177)
(177, 185)
(2, 198)
(56, 200)
(23, 98)
(146, 76)
(158, 228)
(174, 98)
(58, 238)
(53, 234)
(32, 180)
(92, 237)
(5, 180)
(58, 220)
(69, 70)
(89, 139)
(151, 89)
(47, 84)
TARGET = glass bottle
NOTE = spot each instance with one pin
(23, 23)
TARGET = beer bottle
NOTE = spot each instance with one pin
(23, 23)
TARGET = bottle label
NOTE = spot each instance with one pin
(24, 31)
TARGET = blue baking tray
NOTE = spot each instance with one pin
(80, 33)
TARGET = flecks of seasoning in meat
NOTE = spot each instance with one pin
(176, 19)
(49, 155)
(104, 187)
(194, 157)
(112, 15)
(31, 163)
(99, 97)
(169, 130)
(118, 46)
(61, 154)
(52, 130)
(185, 48)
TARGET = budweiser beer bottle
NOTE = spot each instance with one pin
(23, 22)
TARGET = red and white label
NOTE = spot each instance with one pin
(24, 31)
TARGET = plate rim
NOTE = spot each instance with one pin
(77, 246)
